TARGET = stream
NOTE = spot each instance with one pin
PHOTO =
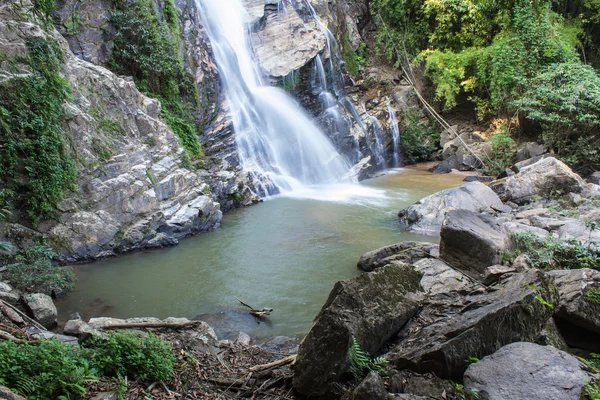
(285, 253)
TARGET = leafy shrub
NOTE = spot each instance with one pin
(34, 270)
(592, 295)
(34, 161)
(361, 363)
(419, 140)
(45, 370)
(553, 253)
(500, 157)
(565, 100)
(133, 354)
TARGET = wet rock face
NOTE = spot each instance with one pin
(426, 215)
(371, 307)
(528, 371)
(452, 328)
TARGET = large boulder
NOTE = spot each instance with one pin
(407, 252)
(372, 307)
(454, 145)
(439, 277)
(578, 305)
(426, 215)
(452, 328)
(540, 179)
(471, 242)
(41, 308)
(527, 371)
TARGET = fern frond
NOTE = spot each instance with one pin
(26, 386)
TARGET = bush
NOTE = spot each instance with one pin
(51, 369)
(565, 100)
(46, 370)
(34, 162)
(502, 149)
(34, 270)
(133, 354)
(419, 140)
(552, 253)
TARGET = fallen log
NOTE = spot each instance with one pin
(274, 364)
(142, 325)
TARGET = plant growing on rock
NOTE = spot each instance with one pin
(361, 362)
(34, 270)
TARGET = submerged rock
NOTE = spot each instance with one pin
(372, 308)
(452, 328)
(426, 215)
(540, 179)
(527, 371)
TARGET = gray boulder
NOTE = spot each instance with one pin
(451, 328)
(407, 252)
(426, 215)
(41, 308)
(594, 178)
(372, 307)
(530, 150)
(528, 371)
(575, 229)
(8, 294)
(7, 394)
(79, 328)
(371, 388)
(439, 277)
(540, 179)
(471, 243)
(577, 305)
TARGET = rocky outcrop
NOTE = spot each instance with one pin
(528, 371)
(407, 252)
(541, 179)
(453, 328)
(578, 305)
(471, 242)
(41, 308)
(371, 308)
(426, 215)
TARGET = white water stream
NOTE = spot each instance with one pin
(276, 139)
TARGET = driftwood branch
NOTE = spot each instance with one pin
(11, 314)
(274, 364)
(142, 325)
(253, 311)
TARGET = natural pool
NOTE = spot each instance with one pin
(285, 253)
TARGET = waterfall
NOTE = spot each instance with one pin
(276, 140)
(393, 121)
(378, 137)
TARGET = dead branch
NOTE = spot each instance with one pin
(25, 317)
(256, 312)
(143, 325)
(274, 364)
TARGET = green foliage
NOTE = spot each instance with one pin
(35, 270)
(147, 48)
(45, 370)
(463, 393)
(34, 162)
(419, 140)
(471, 360)
(73, 23)
(565, 100)
(5, 247)
(51, 369)
(132, 354)
(361, 362)
(150, 176)
(552, 253)
(354, 60)
(500, 157)
(542, 301)
(592, 295)
(43, 9)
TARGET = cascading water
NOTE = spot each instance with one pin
(377, 147)
(396, 141)
(275, 138)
